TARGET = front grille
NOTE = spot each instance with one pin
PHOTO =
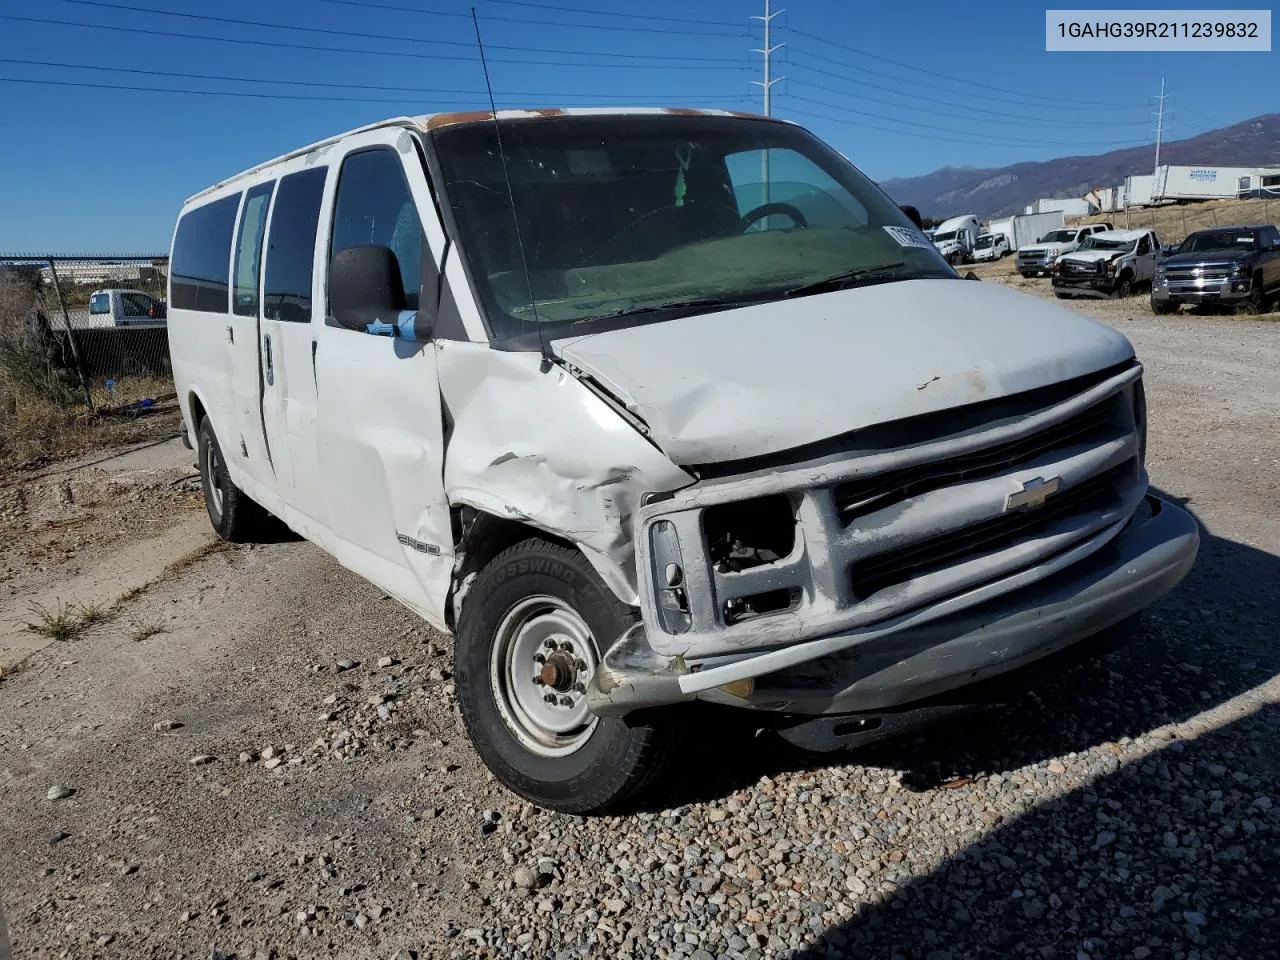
(894, 567)
(1196, 277)
(1076, 269)
(857, 498)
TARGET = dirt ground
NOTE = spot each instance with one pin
(251, 753)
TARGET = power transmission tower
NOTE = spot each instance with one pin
(766, 85)
(1159, 124)
(767, 51)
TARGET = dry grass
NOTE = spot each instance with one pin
(66, 621)
(1176, 221)
(145, 630)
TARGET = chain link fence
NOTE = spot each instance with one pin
(85, 331)
(1175, 221)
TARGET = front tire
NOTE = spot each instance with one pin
(1256, 304)
(235, 517)
(532, 630)
(1163, 307)
(1124, 289)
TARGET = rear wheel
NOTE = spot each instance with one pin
(235, 517)
(532, 631)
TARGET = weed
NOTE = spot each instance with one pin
(145, 631)
(66, 621)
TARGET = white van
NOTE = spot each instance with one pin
(639, 427)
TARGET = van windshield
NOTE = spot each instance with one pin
(641, 218)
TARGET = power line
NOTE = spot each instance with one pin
(932, 97)
(416, 101)
(344, 85)
(931, 73)
(927, 126)
(1002, 118)
(630, 28)
(232, 21)
(281, 45)
(683, 21)
(904, 133)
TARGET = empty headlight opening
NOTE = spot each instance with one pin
(749, 533)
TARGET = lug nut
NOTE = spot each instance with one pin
(539, 658)
(566, 701)
(549, 644)
(549, 698)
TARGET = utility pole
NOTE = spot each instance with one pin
(1159, 126)
(767, 86)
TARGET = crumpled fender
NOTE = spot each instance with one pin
(539, 447)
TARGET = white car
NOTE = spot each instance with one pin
(576, 388)
(991, 246)
(1112, 263)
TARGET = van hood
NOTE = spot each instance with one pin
(766, 378)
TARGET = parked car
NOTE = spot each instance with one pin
(1230, 266)
(636, 438)
(991, 247)
(1037, 259)
(1112, 263)
(125, 308)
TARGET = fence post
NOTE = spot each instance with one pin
(71, 340)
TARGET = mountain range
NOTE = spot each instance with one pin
(1005, 190)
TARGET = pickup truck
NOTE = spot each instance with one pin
(1037, 259)
(1111, 263)
(991, 246)
(125, 308)
(1231, 266)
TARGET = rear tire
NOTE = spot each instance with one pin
(235, 517)
(558, 755)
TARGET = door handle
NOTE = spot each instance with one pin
(231, 335)
(266, 359)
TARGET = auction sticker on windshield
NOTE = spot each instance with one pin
(906, 237)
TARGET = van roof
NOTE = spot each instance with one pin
(434, 121)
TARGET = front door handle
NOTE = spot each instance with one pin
(266, 360)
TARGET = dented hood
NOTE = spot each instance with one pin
(762, 379)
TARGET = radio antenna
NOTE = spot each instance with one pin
(511, 198)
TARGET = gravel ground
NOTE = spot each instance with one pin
(279, 772)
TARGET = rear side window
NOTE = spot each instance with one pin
(373, 205)
(100, 303)
(202, 256)
(136, 304)
(253, 224)
(291, 246)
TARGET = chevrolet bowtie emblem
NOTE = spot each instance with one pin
(1033, 494)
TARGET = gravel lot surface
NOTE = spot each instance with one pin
(278, 771)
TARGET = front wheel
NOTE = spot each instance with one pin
(1257, 301)
(1124, 288)
(531, 634)
(1163, 307)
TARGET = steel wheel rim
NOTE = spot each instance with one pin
(211, 474)
(543, 648)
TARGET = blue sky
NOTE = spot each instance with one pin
(88, 167)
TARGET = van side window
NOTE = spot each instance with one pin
(373, 205)
(248, 264)
(202, 256)
(291, 246)
(100, 303)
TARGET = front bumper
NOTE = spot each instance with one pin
(1102, 285)
(983, 633)
(1192, 291)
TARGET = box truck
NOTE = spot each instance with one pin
(1197, 183)
(1139, 190)
(1026, 228)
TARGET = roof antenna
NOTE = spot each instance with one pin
(502, 154)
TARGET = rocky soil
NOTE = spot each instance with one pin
(278, 771)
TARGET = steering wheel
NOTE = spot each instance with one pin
(751, 217)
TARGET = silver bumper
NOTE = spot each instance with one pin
(984, 632)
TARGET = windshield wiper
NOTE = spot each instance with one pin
(838, 281)
(693, 304)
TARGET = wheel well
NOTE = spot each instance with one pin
(479, 537)
(197, 411)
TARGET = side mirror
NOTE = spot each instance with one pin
(913, 215)
(366, 293)
(972, 276)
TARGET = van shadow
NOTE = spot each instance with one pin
(1207, 641)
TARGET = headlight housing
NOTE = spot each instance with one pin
(1239, 267)
(1055, 252)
